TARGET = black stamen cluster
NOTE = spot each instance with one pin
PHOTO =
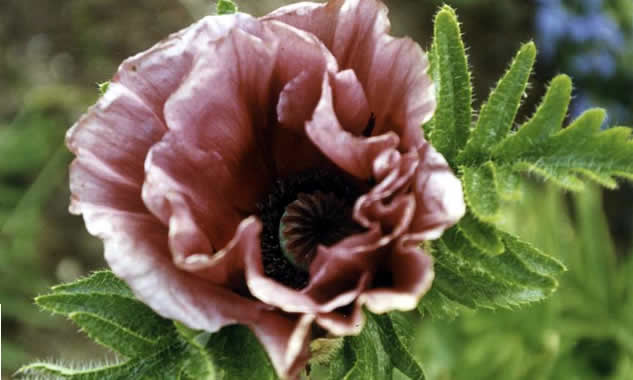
(271, 209)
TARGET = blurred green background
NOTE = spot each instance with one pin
(53, 54)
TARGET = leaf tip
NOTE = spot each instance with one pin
(226, 7)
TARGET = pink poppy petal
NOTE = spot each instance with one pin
(350, 102)
(349, 321)
(439, 196)
(178, 178)
(271, 292)
(145, 264)
(156, 73)
(221, 111)
(391, 70)
(286, 341)
(353, 154)
(411, 271)
(110, 143)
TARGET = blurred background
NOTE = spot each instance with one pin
(53, 54)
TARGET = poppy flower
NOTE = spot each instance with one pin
(270, 172)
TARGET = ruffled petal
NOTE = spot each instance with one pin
(439, 196)
(391, 70)
(158, 72)
(286, 340)
(353, 154)
(350, 102)
(187, 181)
(345, 321)
(110, 143)
(410, 273)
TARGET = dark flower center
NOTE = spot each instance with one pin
(299, 214)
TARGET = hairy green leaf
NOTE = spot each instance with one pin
(371, 360)
(166, 363)
(546, 121)
(480, 191)
(157, 348)
(581, 149)
(508, 183)
(497, 115)
(482, 235)
(395, 333)
(439, 306)
(450, 126)
(466, 275)
(237, 354)
(104, 308)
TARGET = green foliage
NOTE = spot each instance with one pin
(582, 332)
(155, 348)
(383, 346)
(103, 87)
(225, 7)
(237, 355)
(395, 334)
(479, 190)
(453, 89)
(497, 115)
(477, 263)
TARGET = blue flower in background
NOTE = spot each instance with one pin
(599, 62)
(590, 39)
(556, 22)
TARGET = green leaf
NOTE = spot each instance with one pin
(546, 120)
(582, 149)
(396, 333)
(237, 354)
(226, 7)
(482, 235)
(497, 115)
(104, 308)
(103, 87)
(165, 363)
(324, 350)
(508, 183)
(157, 348)
(480, 191)
(450, 126)
(371, 361)
(467, 276)
(440, 306)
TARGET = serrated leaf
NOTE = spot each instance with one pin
(108, 334)
(547, 120)
(237, 354)
(200, 363)
(165, 363)
(101, 306)
(508, 183)
(439, 306)
(533, 258)
(371, 361)
(480, 191)
(226, 7)
(482, 235)
(103, 282)
(450, 127)
(395, 333)
(582, 149)
(497, 115)
(467, 276)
